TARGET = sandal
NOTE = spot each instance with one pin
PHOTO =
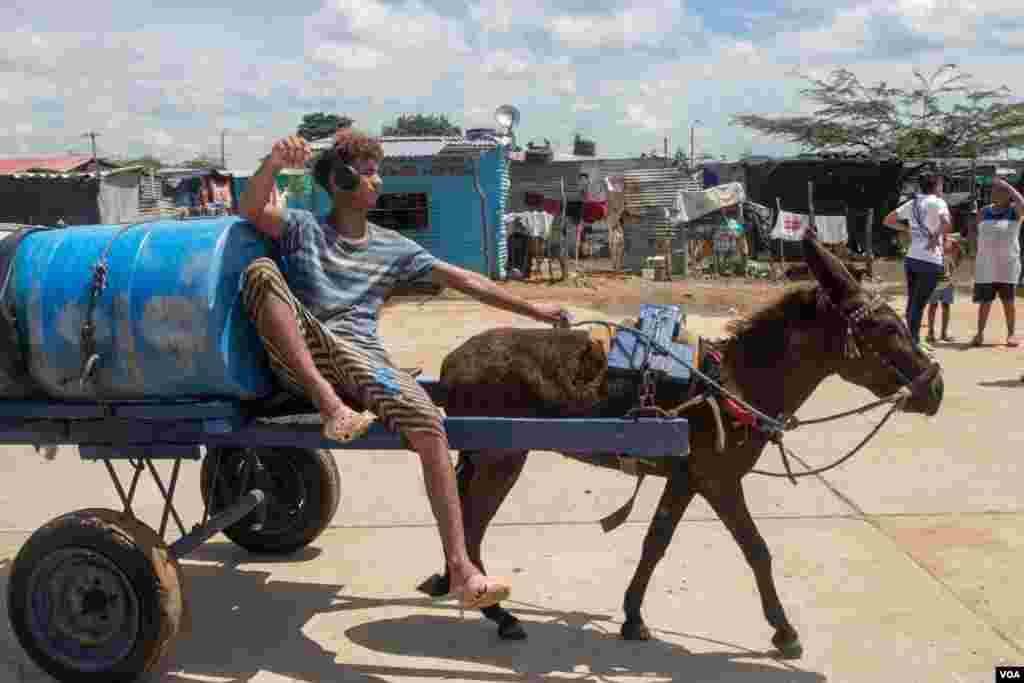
(492, 592)
(1012, 341)
(978, 340)
(347, 425)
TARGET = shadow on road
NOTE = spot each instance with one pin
(561, 644)
(244, 623)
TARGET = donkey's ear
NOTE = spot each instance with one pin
(828, 270)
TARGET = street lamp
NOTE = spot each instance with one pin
(507, 118)
(223, 162)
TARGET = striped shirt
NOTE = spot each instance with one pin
(343, 284)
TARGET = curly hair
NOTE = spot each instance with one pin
(929, 181)
(349, 146)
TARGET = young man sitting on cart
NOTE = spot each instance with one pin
(316, 307)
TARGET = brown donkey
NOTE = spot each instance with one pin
(773, 360)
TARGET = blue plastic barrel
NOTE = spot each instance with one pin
(170, 323)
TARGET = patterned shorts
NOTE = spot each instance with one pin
(363, 376)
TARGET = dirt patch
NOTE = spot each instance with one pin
(621, 294)
(616, 294)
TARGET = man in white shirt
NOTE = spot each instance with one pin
(927, 218)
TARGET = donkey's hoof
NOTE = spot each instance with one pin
(788, 645)
(511, 629)
(436, 586)
(635, 630)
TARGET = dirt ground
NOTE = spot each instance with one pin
(595, 287)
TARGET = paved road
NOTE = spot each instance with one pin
(902, 565)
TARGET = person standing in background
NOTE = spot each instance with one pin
(997, 267)
(927, 218)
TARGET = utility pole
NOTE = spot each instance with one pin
(693, 158)
(95, 160)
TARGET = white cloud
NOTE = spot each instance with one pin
(153, 90)
(872, 28)
(584, 105)
(954, 21)
(350, 56)
(646, 22)
(639, 116)
(500, 16)
(362, 44)
(1012, 39)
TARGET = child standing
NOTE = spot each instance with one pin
(945, 290)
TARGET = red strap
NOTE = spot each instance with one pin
(741, 415)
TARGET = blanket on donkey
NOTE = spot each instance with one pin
(518, 372)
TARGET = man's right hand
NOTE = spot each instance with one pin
(290, 152)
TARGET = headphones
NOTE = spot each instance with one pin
(346, 178)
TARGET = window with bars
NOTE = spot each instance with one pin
(404, 212)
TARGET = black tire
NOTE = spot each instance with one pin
(95, 597)
(303, 490)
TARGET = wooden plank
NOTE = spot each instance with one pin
(645, 437)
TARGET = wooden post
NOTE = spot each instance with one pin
(810, 206)
(684, 239)
(782, 242)
(869, 238)
(972, 231)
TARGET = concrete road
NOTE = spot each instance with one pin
(902, 565)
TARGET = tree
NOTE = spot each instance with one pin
(943, 115)
(204, 161)
(415, 125)
(321, 125)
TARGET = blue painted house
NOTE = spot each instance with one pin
(448, 194)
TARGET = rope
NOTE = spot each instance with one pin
(797, 422)
(90, 358)
(785, 453)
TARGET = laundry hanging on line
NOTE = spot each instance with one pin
(791, 227)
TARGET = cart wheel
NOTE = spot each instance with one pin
(95, 596)
(303, 490)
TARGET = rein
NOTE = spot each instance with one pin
(775, 428)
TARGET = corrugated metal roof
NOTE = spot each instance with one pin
(412, 148)
(49, 175)
(420, 147)
(62, 164)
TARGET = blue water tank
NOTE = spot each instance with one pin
(170, 323)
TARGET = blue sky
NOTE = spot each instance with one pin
(166, 79)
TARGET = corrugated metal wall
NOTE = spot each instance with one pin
(546, 180)
(649, 195)
(494, 180)
(152, 203)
